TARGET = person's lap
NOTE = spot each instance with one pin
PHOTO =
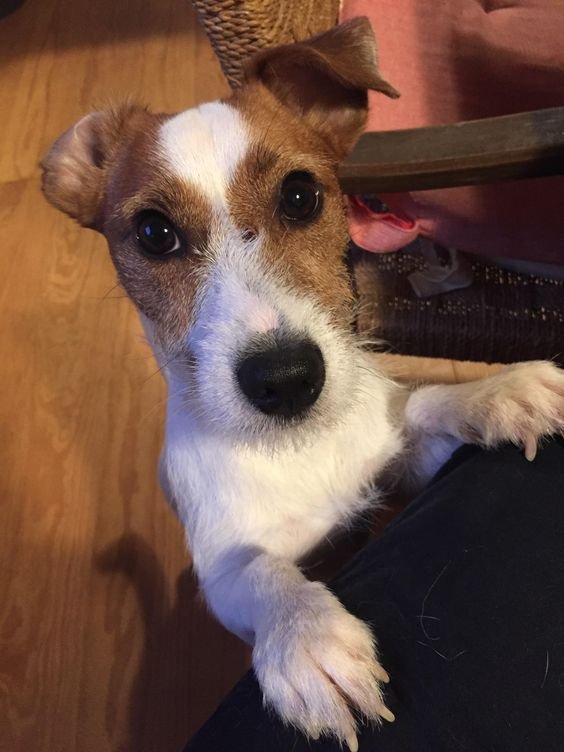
(465, 592)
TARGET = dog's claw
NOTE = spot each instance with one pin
(352, 742)
(384, 676)
(530, 448)
(386, 714)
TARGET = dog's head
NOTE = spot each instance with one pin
(227, 228)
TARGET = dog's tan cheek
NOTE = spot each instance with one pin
(312, 258)
(163, 291)
(309, 259)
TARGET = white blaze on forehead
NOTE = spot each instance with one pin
(204, 146)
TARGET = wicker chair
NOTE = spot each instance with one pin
(504, 315)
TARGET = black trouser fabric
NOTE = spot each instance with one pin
(465, 591)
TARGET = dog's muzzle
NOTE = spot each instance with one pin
(283, 380)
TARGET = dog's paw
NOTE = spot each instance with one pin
(316, 663)
(522, 404)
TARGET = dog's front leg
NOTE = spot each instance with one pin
(521, 404)
(313, 660)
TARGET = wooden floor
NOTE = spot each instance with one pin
(103, 645)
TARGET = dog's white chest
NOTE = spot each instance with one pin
(283, 502)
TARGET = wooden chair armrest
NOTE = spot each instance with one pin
(527, 145)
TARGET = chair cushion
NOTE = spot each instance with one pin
(463, 60)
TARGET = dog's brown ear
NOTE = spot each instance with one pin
(326, 79)
(75, 168)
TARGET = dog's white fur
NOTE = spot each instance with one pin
(204, 145)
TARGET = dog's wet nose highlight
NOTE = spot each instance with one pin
(284, 380)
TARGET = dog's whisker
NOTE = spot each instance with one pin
(159, 370)
(112, 288)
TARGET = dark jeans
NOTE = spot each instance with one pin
(465, 592)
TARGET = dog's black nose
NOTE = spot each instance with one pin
(283, 380)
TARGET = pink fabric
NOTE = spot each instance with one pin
(456, 60)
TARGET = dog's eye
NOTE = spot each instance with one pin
(157, 235)
(300, 198)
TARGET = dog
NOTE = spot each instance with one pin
(228, 231)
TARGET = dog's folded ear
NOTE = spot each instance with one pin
(75, 167)
(326, 79)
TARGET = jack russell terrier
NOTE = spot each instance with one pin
(228, 230)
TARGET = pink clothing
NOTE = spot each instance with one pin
(455, 60)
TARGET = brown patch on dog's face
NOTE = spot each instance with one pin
(309, 256)
(163, 289)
